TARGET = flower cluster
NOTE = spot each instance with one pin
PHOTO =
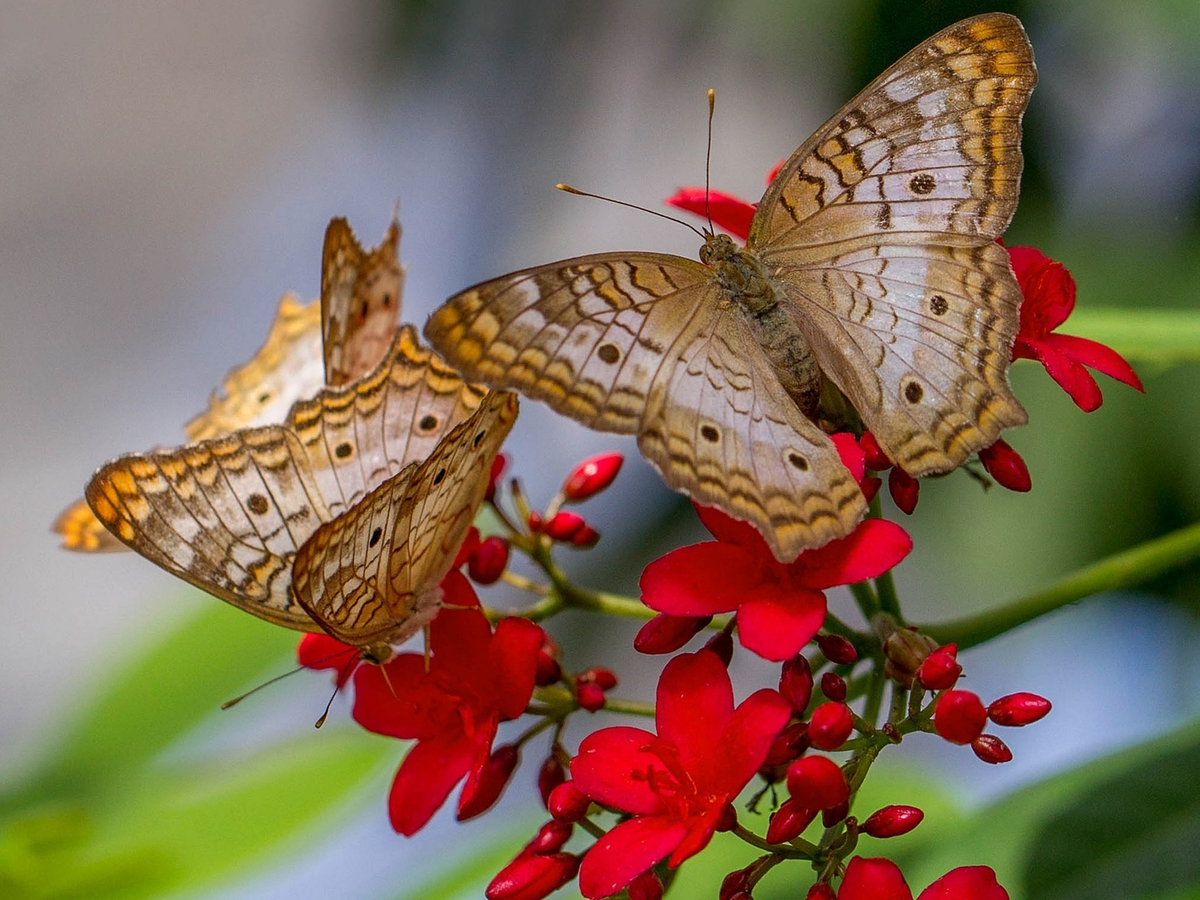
(631, 804)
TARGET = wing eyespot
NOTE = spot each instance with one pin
(710, 433)
(344, 450)
(257, 504)
(375, 536)
(913, 392)
(938, 305)
(427, 423)
(608, 353)
(922, 183)
(798, 462)
(439, 477)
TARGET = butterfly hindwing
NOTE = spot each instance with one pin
(374, 570)
(881, 227)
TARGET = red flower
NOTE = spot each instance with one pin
(320, 651)
(727, 211)
(780, 606)
(677, 785)
(881, 879)
(475, 680)
(1049, 292)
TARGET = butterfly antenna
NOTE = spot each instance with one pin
(255, 690)
(570, 190)
(712, 104)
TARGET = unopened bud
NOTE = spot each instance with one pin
(563, 526)
(959, 716)
(590, 696)
(905, 649)
(498, 465)
(817, 782)
(877, 460)
(645, 887)
(796, 682)
(592, 476)
(550, 837)
(488, 562)
(1018, 709)
(892, 821)
(567, 803)
(940, 670)
(833, 686)
(820, 891)
(837, 649)
(721, 644)
(991, 749)
(1005, 465)
(533, 877)
(789, 821)
(905, 490)
(830, 726)
(666, 633)
(490, 783)
(550, 776)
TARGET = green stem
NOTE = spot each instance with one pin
(885, 588)
(1120, 570)
(864, 596)
(629, 707)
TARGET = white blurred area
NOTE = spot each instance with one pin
(167, 171)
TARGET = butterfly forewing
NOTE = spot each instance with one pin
(372, 573)
(226, 515)
(881, 229)
(360, 300)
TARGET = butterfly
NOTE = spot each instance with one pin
(871, 267)
(343, 519)
(335, 341)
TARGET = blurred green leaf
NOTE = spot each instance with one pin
(1161, 336)
(1129, 836)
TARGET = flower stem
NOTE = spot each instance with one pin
(629, 707)
(1120, 570)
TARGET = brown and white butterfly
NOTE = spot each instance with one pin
(334, 342)
(871, 264)
(343, 519)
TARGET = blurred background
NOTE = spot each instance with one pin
(167, 171)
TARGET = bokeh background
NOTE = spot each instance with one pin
(167, 171)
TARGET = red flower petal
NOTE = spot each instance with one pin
(513, 658)
(425, 779)
(612, 767)
(727, 211)
(1070, 375)
(532, 877)
(776, 624)
(1095, 355)
(700, 579)
(1047, 287)
(873, 548)
(626, 852)
(726, 528)
(873, 879)
(853, 456)
(966, 883)
(666, 633)
(320, 651)
(486, 783)
(694, 706)
(398, 699)
(747, 740)
(700, 830)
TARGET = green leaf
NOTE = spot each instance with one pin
(1132, 835)
(159, 697)
(1161, 336)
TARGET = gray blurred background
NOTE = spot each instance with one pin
(167, 171)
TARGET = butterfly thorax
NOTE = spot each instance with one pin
(746, 283)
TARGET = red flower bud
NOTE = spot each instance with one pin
(550, 837)
(940, 670)
(533, 877)
(789, 821)
(905, 649)
(830, 726)
(534, 521)
(1005, 465)
(870, 487)
(592, 476)
(550, 776)
(905, 490)
(586, 537)
(568, 803)
(603, 678)
(835, 814)
(666, 633)
(645, 887)
(837, 649)
(1018, 709)
(489, 560)
(468, 547)
(498, 465)
(892, 821)
(818, 782)
(788, 744)
(833, 686)
(548, 669)
(734, 883)
(796, 682)
(820, 891)
(484, 789)
(877, 460)
(721, 644)
(590, 696)
(959, 716)
(564, 526)
(991, 749)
